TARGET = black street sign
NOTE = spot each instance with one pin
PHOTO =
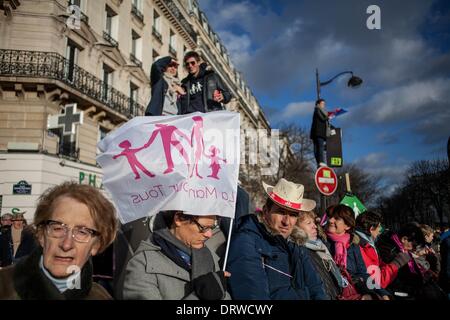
(22, 187)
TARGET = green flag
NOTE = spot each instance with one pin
(354, 203)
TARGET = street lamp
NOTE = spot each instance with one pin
(353, 82)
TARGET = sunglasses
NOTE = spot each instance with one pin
(173, 64)
(192, 63)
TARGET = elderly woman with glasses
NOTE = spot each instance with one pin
(175, 264)
(73, 222)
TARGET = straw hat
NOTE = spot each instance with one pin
(289, 195)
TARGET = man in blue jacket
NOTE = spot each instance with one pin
(264, 263)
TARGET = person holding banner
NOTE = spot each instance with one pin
(73, 222)
(175, 264)
(264, 262)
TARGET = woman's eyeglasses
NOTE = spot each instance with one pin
(56, 229)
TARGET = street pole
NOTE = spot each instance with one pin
(317, 84)
(323, 199)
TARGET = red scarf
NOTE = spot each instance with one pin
(341, 243)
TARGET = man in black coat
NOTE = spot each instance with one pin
(205, 91)
(319, 131)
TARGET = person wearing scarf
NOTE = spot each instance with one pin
(306, 234)
(339, 232)
(410, 283)
(175, 264)
(166, 87)
(364, 263)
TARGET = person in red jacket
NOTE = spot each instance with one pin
(377, 274)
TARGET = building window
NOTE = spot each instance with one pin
(107, 81)
(172, 44)
(72, 57)
(136, 9)
(136, 48)
(156, 28)
(111, 26)
(134, 96)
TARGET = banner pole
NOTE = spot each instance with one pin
(228, 244)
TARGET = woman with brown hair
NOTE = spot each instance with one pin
(73, 222)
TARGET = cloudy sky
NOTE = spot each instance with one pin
(400, 114)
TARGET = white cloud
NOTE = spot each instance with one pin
(295, 110)
(238, 47)
(407, 101)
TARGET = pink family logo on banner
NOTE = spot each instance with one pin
(188, 163)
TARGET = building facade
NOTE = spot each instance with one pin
(98, 55)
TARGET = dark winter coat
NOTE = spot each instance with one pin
(159, 87)
(319, 124)
(265, 266)
(26, 281)
(210, 82)
(416, 285)
(27, 244)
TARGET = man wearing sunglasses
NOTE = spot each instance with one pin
(175, 264)
(205, 90)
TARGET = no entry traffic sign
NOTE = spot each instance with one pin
(326, 180)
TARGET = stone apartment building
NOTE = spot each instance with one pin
(98, 55)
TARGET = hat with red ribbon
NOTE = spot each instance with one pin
(289, 195)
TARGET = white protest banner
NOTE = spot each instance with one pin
(188, 162)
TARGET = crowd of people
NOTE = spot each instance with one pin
(283, 251)
(277, 253)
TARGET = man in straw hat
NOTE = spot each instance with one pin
(264, 262)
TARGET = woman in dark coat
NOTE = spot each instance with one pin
(412, 282)
(165, 88)
(307, 234)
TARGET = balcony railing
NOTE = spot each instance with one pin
(137, 13)
(110, 39)
(157, 34)
(51, 65)
(135, 60)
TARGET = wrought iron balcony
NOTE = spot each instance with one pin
(156, 33)
(137, 13)
(135, 60)
(51, 65)
(110, 39)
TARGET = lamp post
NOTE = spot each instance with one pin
(353, 82)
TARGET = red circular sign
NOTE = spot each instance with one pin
(326, 181)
